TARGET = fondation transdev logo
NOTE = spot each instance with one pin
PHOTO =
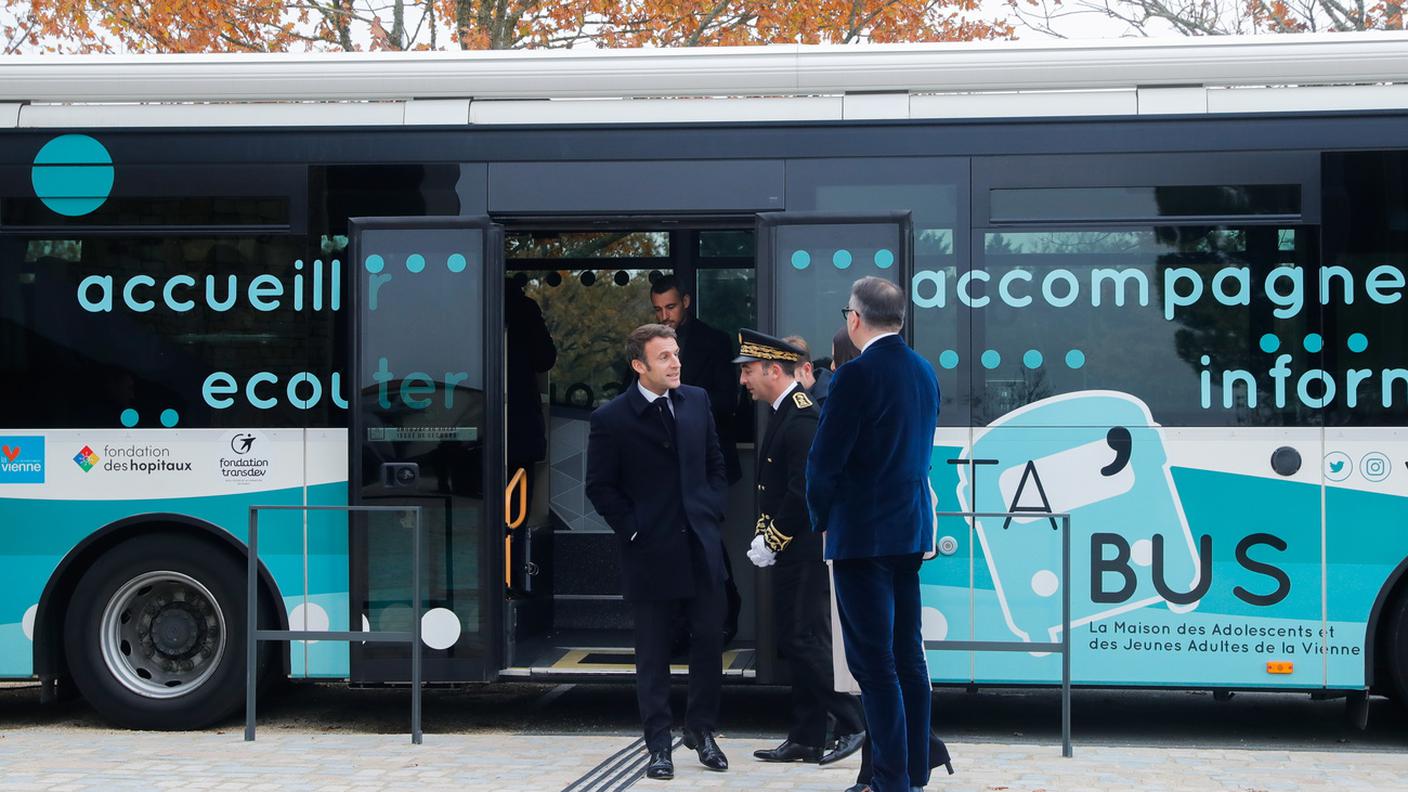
(21, 459)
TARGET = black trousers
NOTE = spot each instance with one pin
(654, 633)
(802, 597)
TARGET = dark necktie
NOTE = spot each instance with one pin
(667, 418)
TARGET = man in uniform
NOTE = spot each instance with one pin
(801, 584)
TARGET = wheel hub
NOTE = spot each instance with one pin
(163, 634)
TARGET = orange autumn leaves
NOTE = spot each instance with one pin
(331, 25)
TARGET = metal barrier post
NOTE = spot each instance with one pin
(254, 635)
(1063, 646)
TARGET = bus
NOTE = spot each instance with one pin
(1161, 283)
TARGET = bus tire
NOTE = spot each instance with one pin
(155, 633)
(1396, 648)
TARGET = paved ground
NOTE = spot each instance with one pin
(51, 760)
(549, 738)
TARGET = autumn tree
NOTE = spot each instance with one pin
(323, 25)
(1075, 18)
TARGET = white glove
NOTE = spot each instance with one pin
(759, 553)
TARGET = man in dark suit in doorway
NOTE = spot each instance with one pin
(868, 489)
(656, 475)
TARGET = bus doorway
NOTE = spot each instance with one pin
(571, 294)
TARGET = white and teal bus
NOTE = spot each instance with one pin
(1162, 284)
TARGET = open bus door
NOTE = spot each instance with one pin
(427, 430)
(807, 262)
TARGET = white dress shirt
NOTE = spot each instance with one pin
(776, 403)
(873, 340)
(651, 396)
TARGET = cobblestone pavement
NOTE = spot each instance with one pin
(58, 759)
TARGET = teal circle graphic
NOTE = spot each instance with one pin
(73, 175)
(129, 417)
(456, 263)
(1314, 343)
(1270, 343)
(1075, 358)
(842, 259)
(801, 259)
(1032, 359)
(415, 262)
(375, 263)
(991, 359)
(948, 359)
(1358, 342)
(884, 259)
(170, 417)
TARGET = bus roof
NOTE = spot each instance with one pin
(786, 82)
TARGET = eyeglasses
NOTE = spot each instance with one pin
(845, 313)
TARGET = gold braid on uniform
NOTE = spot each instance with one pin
(750, 349)
(776, 540)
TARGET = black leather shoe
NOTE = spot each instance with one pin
(858, 788)
(710, 755)
(789, 751)
(661, 767)
(846, 745)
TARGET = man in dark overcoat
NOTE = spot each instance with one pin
(656, 475)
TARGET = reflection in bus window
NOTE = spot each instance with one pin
(1191, 319)
(118, 331)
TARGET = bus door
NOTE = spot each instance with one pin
(427, 429)
(807, 262)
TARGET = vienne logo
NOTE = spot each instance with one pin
(21, 460)
(73, 175)
(86, 459)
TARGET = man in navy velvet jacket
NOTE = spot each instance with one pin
(867, 488)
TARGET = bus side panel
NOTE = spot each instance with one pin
(1192, 561)
(130, 472)
(1366, 538)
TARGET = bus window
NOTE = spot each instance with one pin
(1366, 244)
(934, 192)
(1208, 325)
(207, 332)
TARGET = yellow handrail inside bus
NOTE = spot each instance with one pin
(520, 483)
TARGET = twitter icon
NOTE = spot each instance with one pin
(1338, 466)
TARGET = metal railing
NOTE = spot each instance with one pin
(1063, 647)
(254, 635)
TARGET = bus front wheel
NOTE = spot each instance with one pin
(155, 633)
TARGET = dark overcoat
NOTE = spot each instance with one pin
(659, 494)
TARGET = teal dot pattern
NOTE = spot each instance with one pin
(169, 418)
(1358, 342)
(374, 263)
(948, 359)
(1032, 359)
(130, 417)
(1270, 343)
(415, 262)
(842, 259)
(457, 262)
(73, 175)
(991, 359)
(1314, 343)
